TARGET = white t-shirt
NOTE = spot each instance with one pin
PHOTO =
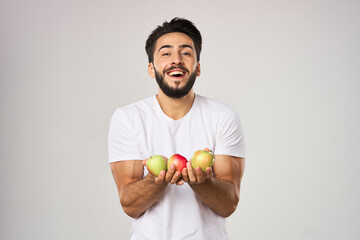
(142, 129)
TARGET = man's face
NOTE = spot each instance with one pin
(175, 66)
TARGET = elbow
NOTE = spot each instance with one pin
(230, 208)
(131, 212)
(227, 212)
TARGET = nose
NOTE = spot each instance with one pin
(176, 59)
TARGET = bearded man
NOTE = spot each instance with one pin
(191, 204)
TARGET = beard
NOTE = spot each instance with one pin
(175, 92)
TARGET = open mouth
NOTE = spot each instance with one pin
(176, 73)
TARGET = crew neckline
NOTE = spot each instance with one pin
(169, 119)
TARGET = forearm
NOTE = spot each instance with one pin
(219, 195)
(138, 196)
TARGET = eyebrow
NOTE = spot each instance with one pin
(181, 46)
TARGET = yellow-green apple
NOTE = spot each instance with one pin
(179, 162)
(155, 164)
(203, 159)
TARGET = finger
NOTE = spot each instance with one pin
(184, 175)
(180, 182)
(170, 173)
(208, 172)
(159, 179)
(191, 173)
(175, 178)
(199, 174)
(144, 162)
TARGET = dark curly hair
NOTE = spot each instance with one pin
(175, 25)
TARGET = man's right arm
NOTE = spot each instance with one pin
(136, 193)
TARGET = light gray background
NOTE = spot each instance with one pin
(290, 68)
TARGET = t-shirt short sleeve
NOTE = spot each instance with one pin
(122, 144)
(230, 136)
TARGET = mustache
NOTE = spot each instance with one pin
(175, 67)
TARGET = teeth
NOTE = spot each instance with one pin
(176, 72)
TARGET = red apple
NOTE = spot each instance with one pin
(203, 159)
(155, 164)
(179, 162)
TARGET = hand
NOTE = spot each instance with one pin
(195, 176)
(171, 176)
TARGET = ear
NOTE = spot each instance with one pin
(198, 69)
(151, 70)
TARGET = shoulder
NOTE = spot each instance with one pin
(215, 107)
(138, 108)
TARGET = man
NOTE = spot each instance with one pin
(191, 204)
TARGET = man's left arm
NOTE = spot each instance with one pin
(220, 192)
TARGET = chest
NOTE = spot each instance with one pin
(157, 136)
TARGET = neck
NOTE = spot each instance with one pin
(175, 108)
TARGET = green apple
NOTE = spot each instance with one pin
(203, 159)
(155, 164)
